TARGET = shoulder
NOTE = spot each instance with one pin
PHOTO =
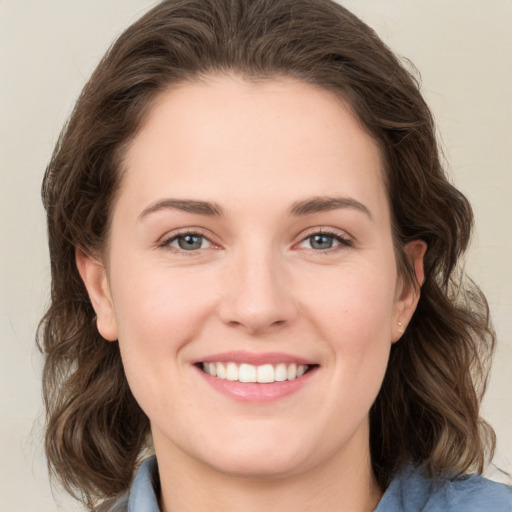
(483, 491)
(413, 491)
(477, 494)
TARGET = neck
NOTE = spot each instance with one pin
(341, 484)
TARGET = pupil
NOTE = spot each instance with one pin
(321, 242)
(189, 242)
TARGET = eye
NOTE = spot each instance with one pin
(188, 242)
(323, 241)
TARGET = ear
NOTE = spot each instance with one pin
(408, 294)
(94, 276)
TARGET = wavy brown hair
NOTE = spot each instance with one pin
(427, 411)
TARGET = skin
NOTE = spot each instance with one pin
(256, 284)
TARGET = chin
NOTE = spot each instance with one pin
(262, 456)
(261, 466)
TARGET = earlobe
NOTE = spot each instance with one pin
(409, 293)
(94, 276)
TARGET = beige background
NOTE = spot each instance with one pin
(48, 48)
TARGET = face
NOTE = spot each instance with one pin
(251, 280)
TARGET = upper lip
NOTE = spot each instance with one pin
(253, 358)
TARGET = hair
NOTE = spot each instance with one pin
(427, 411)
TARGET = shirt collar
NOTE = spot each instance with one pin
(145, 488)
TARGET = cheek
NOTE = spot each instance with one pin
(161, 310)
(353, 312)
(158, 314)
(353, 305)
(158, 311)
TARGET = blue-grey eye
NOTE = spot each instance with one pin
(322, 241)
(189, 242)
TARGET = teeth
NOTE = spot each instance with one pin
(247, 373)
(291, 373)
(266, 373)
(221, 370)
(281, 374)
(231, 371)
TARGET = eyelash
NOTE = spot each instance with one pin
(165, 243)
(343, 240)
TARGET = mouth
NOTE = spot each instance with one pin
(250, 377)
(249, 373)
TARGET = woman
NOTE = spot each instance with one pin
(254, 252)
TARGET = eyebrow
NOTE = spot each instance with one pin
(302, 208)
(323, 204)
(186, 205)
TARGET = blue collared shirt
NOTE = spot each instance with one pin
(410, 491)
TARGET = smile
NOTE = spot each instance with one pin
(264, 374)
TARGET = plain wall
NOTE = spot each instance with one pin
(48, 48)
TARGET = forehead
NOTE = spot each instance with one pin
(273, 139)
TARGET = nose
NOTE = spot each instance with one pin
(258, 294)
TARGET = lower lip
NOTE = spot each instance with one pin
(255, 391)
